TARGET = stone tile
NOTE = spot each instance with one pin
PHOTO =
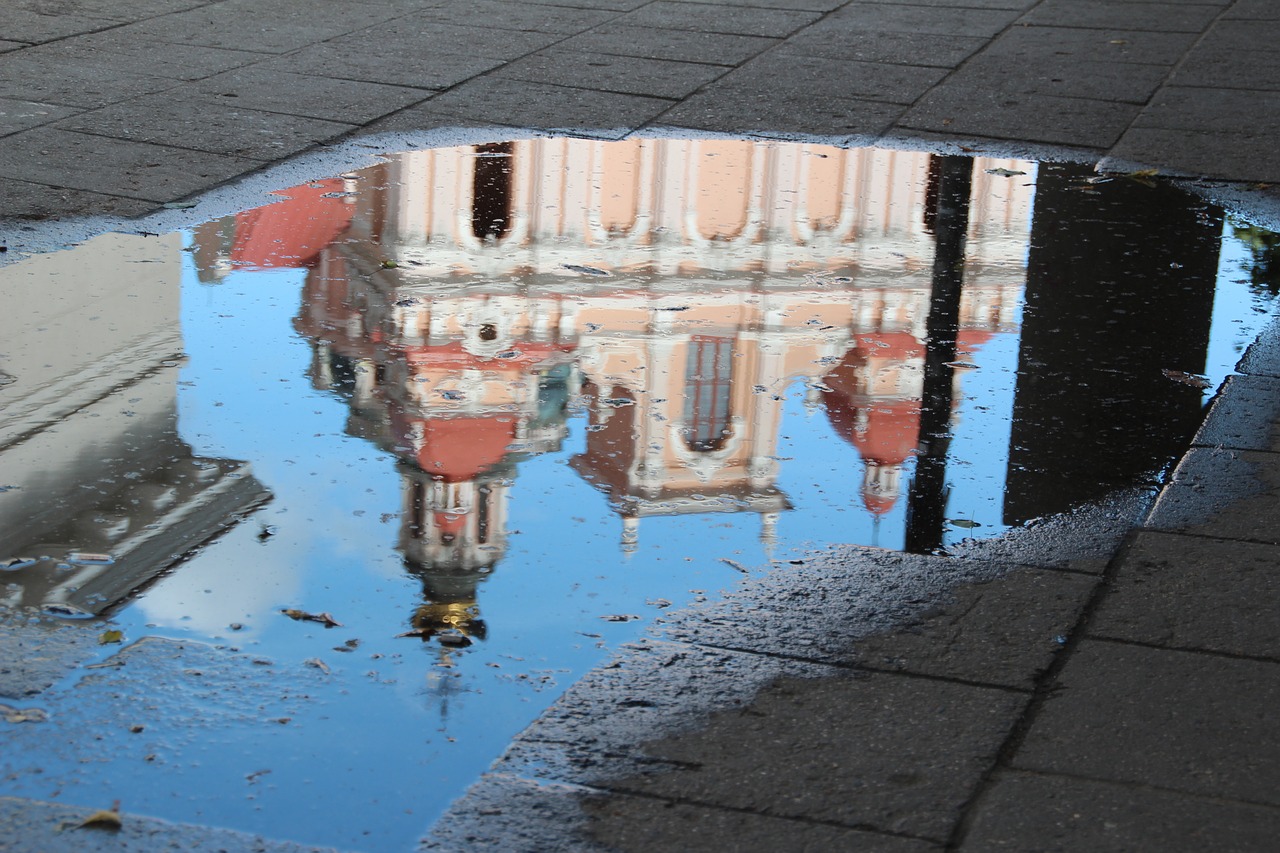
(523, 104)
(1193, 593)
(888, 752)
(301, 95)
(524, 17)
(119, 51)
(353, 61)
(743, 111)
(787, 76)
(1227, 35)
(625, 823)
(697, 17)
(611, 5)
(1253, 10)
(501, 812)
(659, 43)
(835, 41)
(1004, 631)
(1066, 77)
(627, 74)
(912, 18)
(422, 118)
(1229, 68)
(1038, 118)
(1184, 721)
(1027, 811)
(6, 46)
(262, 28)
(74, 84)
(221, 128)
(419, 35)
(801, 5)
(25, 200)
(98, 164)
(1108, 45)
(1108, 14)
(1243, 415)
(1231, 494)
(1262, 358)
(20, 115)
(1237, 111)
(33, 28)
(1210, 154)
(109, 9)
(1014, 5)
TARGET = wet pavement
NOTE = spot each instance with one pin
(662, 580)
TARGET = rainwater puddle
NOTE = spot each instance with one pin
(494, 408)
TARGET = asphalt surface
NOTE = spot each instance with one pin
(1107, 685)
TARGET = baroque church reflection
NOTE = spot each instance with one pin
(468, 302)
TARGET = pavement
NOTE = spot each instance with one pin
(1107, 685)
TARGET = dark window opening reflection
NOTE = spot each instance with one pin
(708, 390)
(492, 190)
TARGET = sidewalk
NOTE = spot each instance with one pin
(1108, 687)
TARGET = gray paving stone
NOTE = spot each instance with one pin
(33, 28)
(73, 84)
(6, 46)
(912, 18)
(1229, 68)
(1188, 592)
(108, 9)
(611, 5)
(787, 76)
(1243, 415)
(1108, 14)
(424, 36)
(32, 826)
(222, 128)
(1041, 118)
(1004, 631)
(1027, 811)
(743, 111)
(1214, 154)
(888, 752)
(524, 104)
(1227, 35)
(263, 28)
(830, 40)
(802, 5)
(501, 813)
(1236, 111)
(1054, 76)
(739, 20)
(344, 60)
(627, 74)
(20, 115)
(1262, 358)
(139, 170)
(523, 17)
(1231, 494)
(1253, 10)
(117, 51)
(301, 95)
(1185, 721)
(1084, 45)
(625, 823)
(26, 200)
(661, 43)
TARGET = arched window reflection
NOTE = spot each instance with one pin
(707, 387)
(492, 191)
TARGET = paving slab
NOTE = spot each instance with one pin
(630, 75)
(109, 10)
(72, 83)
(222, 128)
(1225, 67)
(20, 115)
(739, 20)
(661, 43)
(1188, 592)
(831, 40)
(1188, 153)
(1088, 45)
(424, 36)
(744, 111)
(1109, 14)
(33, 28)
(995, 113)
(1059, 77)
(1252, 10)
(886, 752)
(523, 104)
(303, 95)
(1262, 357)
(913, 18)
(1243, 415)
(1185, 721)
(342, 60)
(24, 200)
(155, 173)
(1028, 811)
(790, 75)
(1229, 494)
(1244, 111)
(233, 25)
(523, 17)
(121, 51)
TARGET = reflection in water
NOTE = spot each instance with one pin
(571, 360)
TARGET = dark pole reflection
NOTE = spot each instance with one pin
(949, 219)
(1094, 410)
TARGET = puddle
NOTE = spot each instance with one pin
(493, 408)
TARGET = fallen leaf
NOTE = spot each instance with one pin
(966, 523)
(1004, 173)
(22, 715)
(734, 565)
(109, 637)
(103, 819)
(318, 664)
(1194, 380)
(179, 205)
(325, 619)
(584, 269)
(620, 617)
